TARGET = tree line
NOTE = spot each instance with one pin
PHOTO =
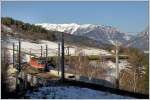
(27, 28)
(136, 79)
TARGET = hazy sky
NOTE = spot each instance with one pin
(126, 16)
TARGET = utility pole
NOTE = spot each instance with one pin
(58, 57)
(68, 57)
(62, 57)
(19, 62)
(30, 53)
(41, 50)
(13, 55)
(4, 56)
(17, 56)
(46, 56)
(46, 52)
(117, 66)
(68, 50)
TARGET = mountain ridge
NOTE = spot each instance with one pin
(31, 32)
(101, 33)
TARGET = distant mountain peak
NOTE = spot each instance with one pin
(74, 28)
(97, 32)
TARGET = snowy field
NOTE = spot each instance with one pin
(111, 67)
(27, 46)
(71, 92)
(35, 48)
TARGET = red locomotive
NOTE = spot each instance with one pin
(40, 63)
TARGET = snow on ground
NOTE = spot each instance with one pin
(6, 29)
(10, 79)
(92, 51)
(122, 64)
(71, 92)
(112, 67)
(35, 48)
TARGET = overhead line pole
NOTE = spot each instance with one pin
(117, 66)
(46, 57)
(58, 57)
(69, 56)
(68, 50)
(62, 57)
(4, 56)
(41, 50)
(19, 55)
(13, 55)
(19, 63)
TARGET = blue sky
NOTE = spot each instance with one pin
(126, 16)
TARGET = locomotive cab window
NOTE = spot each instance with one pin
(41, 62)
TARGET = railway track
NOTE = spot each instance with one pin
(47, 78)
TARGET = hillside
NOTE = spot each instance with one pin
(105, 34)
(141, 41)
(102, 33)
(35, 33)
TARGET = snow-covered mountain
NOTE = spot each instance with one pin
(28, 45)
(141, 41)
(105, 34)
